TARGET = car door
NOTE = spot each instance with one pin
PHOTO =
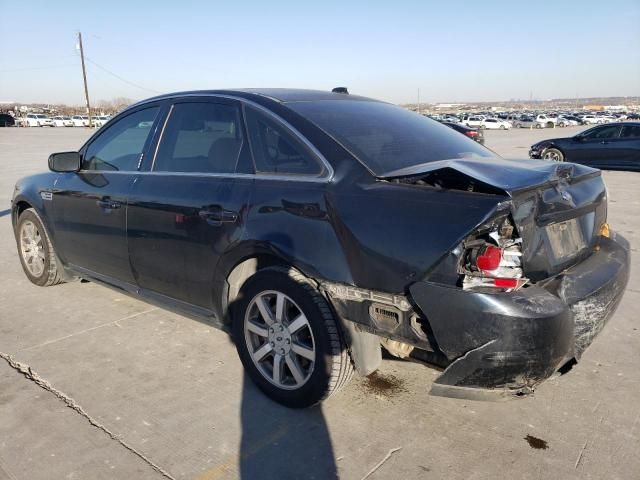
(629, 147)
(596, 147)
(189, 208)
(90, 205)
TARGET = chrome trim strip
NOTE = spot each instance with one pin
(327, 177)
(262, 176)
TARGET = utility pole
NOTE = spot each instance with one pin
(84, 76)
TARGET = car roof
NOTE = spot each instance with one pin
(281, 95)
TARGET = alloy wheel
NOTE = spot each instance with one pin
(279, 340)
(32, 248)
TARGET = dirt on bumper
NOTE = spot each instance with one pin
(503, 345)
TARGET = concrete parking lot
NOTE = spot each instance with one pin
(103, 386)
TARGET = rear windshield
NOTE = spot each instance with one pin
(386, 137)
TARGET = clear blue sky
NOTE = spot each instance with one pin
(450, 50)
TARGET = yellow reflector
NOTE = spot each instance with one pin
(604, 230)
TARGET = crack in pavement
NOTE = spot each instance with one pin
(29, 374)
(114, 322)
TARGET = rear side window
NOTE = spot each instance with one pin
(630, 131)
(386, 137)
(120, 146)
(201, 137)
(275, 150)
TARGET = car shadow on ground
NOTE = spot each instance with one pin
(5, 212)
(283, 443)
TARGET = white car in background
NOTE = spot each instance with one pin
(60, 121)
(591, 119)
(472, 121)
(100, 120)
(80, 121)
(495, 124)
(548, 120)
(38, 120)
(565, 122)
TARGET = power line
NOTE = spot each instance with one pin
(22, 69)
(119, 77)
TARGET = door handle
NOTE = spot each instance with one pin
(108, 204)
(604, 142)
(218, 217)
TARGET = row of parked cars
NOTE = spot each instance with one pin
(506, 121)
(42, 120)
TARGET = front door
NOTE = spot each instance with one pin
(596, 147)
(89, 207)
(190, 207)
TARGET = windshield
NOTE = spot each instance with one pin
(386, 137)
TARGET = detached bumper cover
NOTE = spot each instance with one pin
(504, 344)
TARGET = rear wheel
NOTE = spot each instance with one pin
(553, 154)
(36, 252)
(288, 339)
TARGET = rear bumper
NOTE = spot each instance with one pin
(504, 344)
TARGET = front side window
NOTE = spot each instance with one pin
(201, 137)
(277, 151)
(119, 147)
(386, 137)
(611, 131)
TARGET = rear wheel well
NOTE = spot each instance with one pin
(241, 273)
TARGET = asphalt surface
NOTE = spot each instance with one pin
(118, 389)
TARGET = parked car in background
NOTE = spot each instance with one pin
(316, 226)
(547, 121)
(62, 121)
(495, 124)
(7, 120)
(590, 119)
(575, 118)
(80, 120)
(614, 146)
(472, 133)
(566, 122)
(100, 120)
(38, 120)
(472, 121)
(529, 122)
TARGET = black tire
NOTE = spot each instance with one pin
(51, 272)
(538, 125)
(553, 154)
(332, 368)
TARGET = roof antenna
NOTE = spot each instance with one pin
(341, 90)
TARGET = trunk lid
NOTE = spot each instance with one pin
(557, 208)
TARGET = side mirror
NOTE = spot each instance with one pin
(578, 138)
(64, 162)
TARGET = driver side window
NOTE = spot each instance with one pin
(120, 146)
(610, 131)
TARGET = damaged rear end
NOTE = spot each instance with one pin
(523, 294)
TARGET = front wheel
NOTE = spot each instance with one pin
(36, 252)
(553, 154)
(288, 339)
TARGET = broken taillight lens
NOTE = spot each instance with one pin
(489, 259)
(493, 260)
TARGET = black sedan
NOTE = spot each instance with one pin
(7, 120)
(472, 133)
(614, 146)
(316, 227)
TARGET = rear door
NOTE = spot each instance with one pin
(90, 206)
(190, 206)
(630, 146)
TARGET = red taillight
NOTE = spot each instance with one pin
(506, 282)
(490, 259)
(471, 134)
